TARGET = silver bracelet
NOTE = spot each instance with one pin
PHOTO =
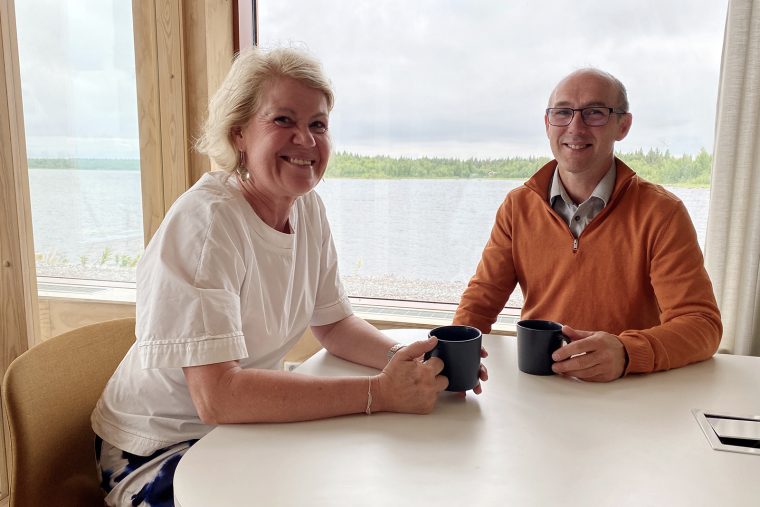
(392, 351)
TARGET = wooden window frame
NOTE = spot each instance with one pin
(183, 50)
(19, 322)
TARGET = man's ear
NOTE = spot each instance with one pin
(624, 126)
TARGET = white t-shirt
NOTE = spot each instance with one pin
(216, 284)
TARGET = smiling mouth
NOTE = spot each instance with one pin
(577, 146)
(303, 162)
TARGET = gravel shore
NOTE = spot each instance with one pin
(381, 287)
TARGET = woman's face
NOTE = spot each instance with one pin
(286, 142)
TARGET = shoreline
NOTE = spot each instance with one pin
(328, 177)
(370, 287)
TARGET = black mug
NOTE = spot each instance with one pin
(459, 349)
(536, 341)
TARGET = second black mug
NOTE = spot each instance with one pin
(536, 342)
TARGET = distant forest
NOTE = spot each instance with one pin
(90, 164)
(654, 165)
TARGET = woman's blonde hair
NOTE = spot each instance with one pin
(239, 96)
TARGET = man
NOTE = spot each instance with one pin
(592, 245)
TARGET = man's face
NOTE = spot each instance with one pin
(578, 148)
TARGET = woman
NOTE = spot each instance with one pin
(243, 262)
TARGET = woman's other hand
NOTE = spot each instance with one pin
(408, 384)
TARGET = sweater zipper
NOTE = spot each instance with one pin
(564, 224)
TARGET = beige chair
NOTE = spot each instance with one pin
(48, 394)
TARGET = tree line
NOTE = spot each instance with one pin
(654, 165)
(93, 164)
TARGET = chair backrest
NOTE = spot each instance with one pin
(48, 395)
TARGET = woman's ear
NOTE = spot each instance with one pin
(236, 134)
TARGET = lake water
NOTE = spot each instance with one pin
(406, 239)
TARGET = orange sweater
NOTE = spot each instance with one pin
(636, 271)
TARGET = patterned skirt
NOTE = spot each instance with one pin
(129, 479)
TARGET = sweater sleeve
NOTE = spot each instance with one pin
(494, 279)
(690, 327)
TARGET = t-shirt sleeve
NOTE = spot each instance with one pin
(188, 290)
(331, 304)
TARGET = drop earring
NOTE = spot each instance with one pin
(241, 169)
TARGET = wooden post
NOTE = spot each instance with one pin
(19, 322)
(183, 50)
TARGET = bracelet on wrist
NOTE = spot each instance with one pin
(368, 410)
(392, 351)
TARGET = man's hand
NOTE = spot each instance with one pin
(598, 356)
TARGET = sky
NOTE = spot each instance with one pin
(449, 78)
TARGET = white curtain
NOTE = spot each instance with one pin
(732, 247)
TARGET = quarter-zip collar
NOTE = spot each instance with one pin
(540, 182)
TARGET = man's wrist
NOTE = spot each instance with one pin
(625, 362)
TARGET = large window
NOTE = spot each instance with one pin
(439, 113)
(78, 85)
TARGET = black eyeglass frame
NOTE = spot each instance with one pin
(610, 111)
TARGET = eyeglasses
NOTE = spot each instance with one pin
(592, 116)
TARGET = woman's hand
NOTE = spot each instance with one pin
(407, 384)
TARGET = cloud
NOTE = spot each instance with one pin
(481, 72)
(430, 77)
(78, 78)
